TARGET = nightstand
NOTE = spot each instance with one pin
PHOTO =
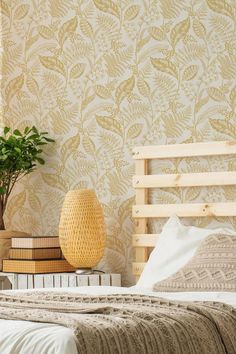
(56, 280)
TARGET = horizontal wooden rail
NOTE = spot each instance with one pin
(185, 180)
(184, 210)
(144, 240)
(185, 150)
(138, 267)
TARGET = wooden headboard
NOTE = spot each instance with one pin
(142, 182)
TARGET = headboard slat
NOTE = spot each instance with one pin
(185, 150)
(144, 240)
(184, 210)
(185, 180)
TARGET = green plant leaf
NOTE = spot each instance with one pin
(6, 130)
(17, 132)
(41, 161)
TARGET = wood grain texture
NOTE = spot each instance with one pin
(144, 240)
(184, 210)
(185, 150)
(185, 180)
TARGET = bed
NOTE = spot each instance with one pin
(138, 319)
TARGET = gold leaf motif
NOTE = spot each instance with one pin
(54, 181)
(199, 28)
(125, 208)
(221, 7)
(124, 89)
(179, 31)
(157, 33)
(53, 63)
(77, 70)
(16, 202)
(192, 194)
(143, 42)
(32, 85)
(223, 127)
(232, 97)
(71, 145)
(143, 87)
(21, 11)
(46, 32)
(134, 131)
(131, 13)
(102, 91)
(88, 145)
(110, 124)
(4, 8)
(14, 86)
(87, 100)
(67, 28)
(216, 94)
(107, 6)
(86, 28)
(201, 103)
(34, 201)
(190, 72)
(31, 41)
(165, 66)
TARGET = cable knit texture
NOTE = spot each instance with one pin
(129, 324)
(212, 268)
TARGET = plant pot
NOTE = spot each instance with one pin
(5, 242)
(82, 229)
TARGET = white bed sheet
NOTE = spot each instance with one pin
(21, 337)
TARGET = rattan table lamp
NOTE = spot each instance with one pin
(82, 229)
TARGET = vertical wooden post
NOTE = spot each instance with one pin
(141, 254)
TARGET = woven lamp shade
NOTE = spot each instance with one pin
(82, 229)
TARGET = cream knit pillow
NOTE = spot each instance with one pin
(212, 268)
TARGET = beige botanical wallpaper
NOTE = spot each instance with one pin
(103, 76)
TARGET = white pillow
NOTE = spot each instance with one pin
(175, 246)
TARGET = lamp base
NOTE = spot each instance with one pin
(87, 271)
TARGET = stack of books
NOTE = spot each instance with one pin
(36, 255)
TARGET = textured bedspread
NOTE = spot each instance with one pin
(130, 324)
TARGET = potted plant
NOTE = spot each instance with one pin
(20, 152)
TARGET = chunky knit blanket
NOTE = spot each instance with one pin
(129, 324)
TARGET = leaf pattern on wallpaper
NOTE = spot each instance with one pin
(190, 72)
(179, 31)
(21, 11)
(107, 6)
(134, 131)
(66, 29)
(69, 147)
(4, 8)
(86, 28)
(110, 124)
(221, 7)
(143, 87)
(77, 70)
(46, 32)
(233, 97)
(102, 91)
(199, 28)
(224, 127)
(103, 76)
(13, 87)
(216, 94)
(131, 13)
(157, 33)
(124, 89)
(54, 64)
(165, 66)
